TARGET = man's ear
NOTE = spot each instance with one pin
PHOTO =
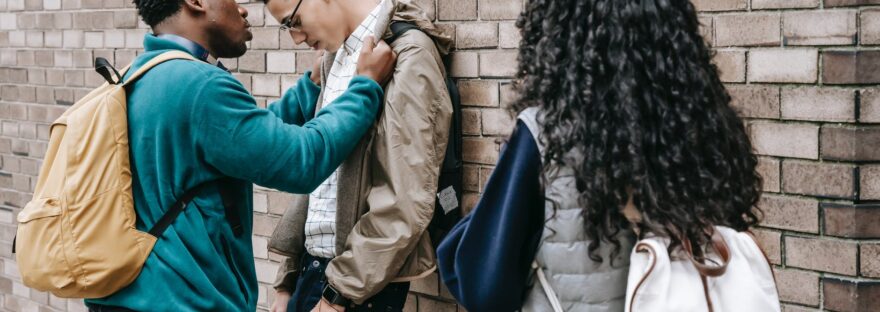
(195, 5)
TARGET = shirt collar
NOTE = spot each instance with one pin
(188, 45)
(367, 27)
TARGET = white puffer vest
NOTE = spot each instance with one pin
(580, 283)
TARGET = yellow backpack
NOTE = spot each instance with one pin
(77, 238)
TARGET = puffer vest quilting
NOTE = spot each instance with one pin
(580, 283)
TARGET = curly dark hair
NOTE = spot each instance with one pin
(154, 12)
(629, 85)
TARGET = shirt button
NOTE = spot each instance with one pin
(316, 263)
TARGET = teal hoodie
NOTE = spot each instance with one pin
(192, 122)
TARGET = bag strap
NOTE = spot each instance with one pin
(176, 209)
(166, 56)
(720, 246)
(548, 290)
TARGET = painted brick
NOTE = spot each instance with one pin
(769, 168)
(778, 65)
(280, 62)
(763, 29)
(821, 254)
(830, 27)
(785, 139)
(731, 65)
(819, 104)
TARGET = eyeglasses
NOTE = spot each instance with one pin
(288, 23)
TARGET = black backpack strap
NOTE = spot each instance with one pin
(227, 195)
(398, 28)
(228, 192)
(176, 209)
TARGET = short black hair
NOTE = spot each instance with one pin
(154, 12)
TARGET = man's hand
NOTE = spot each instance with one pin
(281, 299)
(377, 62)
(324, 306)
(316, 69)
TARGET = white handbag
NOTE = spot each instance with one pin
(741, 280)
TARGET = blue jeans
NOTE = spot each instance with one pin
(311, 284)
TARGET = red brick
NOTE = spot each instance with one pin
(768, 168)
(451, 10)
(851, 67)
(819, 104)
(852, 220)
(818, 179)
(854, 144)
(785, 139)
(783, 65)
(850, 295)
(720, 5)
(870, 27)
(821, 254)
(833, 27)
(790, 213)
(731, 65)
(763, 29)
(798, 286)
(770, 243)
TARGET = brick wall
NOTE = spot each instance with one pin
(804, 73)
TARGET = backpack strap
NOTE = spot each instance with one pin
(176, 209)
(166, 56)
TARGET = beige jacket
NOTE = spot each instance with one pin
(387, 186)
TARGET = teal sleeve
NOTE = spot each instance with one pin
(243, 141)
(298, 103)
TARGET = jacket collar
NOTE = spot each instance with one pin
(174, 42)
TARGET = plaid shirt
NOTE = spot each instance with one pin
(320, 227)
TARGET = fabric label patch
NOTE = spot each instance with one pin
(448, 200)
